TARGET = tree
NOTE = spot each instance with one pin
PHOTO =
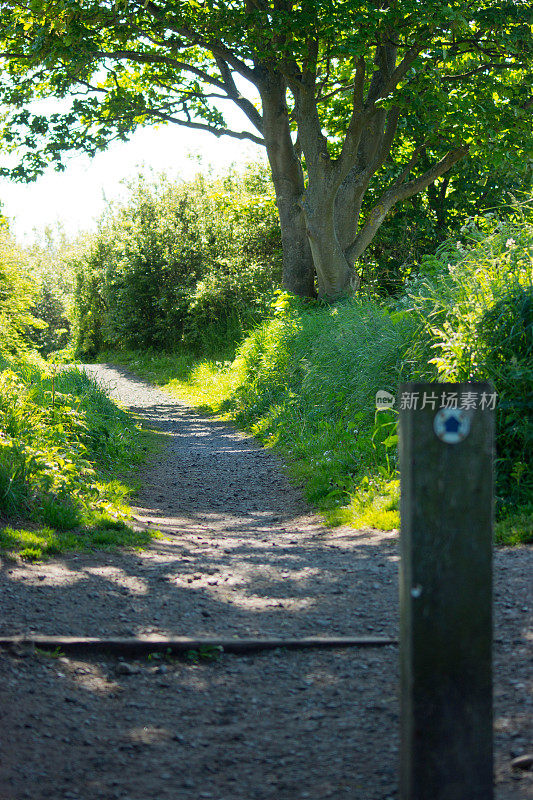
(17, 296)
(338, 91)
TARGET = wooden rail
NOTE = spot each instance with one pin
(184, 644)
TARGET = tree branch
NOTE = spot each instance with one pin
(201, 126)
(393, 118)
(350, 145)
(313, 141)
(167, 117)
(401, 70)
(410, 164)
(233, 94)
(309, 66)
(385, 60)
(396, 194)
(155, 58)
(482, 68)
(324, 97)
(227, 83)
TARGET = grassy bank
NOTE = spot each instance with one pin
(62, 444)
(305, 381)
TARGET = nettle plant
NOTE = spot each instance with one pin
(476, 308)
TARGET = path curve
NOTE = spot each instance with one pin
(242, 555)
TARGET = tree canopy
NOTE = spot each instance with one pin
(340, 93)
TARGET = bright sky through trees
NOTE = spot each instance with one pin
(77, 197)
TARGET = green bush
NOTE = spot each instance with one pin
(475, 304)
(17, 296)
(193, 263)
(60, 435)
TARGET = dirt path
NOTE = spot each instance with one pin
(243, 555)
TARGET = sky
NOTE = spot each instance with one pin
(78, 196)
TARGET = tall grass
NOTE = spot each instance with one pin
(62, 442)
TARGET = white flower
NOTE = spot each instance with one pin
(510, 244)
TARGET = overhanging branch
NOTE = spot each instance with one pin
(394, 195)
(233, 94)
(159, 58)
(201, 126)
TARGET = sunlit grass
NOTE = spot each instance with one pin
(69, 461)
(516, 529)
(39, 544)
(373, 507)
(304, 383)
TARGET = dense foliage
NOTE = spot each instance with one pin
(359, 105)
(35, 294)
(481, 184)
(475, 302)
(174, 259)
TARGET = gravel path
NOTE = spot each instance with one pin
(242, 556)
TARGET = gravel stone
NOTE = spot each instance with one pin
(242, 555)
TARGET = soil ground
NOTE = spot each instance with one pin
(242, 555)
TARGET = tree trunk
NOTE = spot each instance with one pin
(319, 223)
(335, 277)
(348, 207)
(287, 176)
(298, 269)
(348, 204)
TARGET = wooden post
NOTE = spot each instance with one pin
(446, 459)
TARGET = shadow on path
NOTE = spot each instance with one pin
(242, 555)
